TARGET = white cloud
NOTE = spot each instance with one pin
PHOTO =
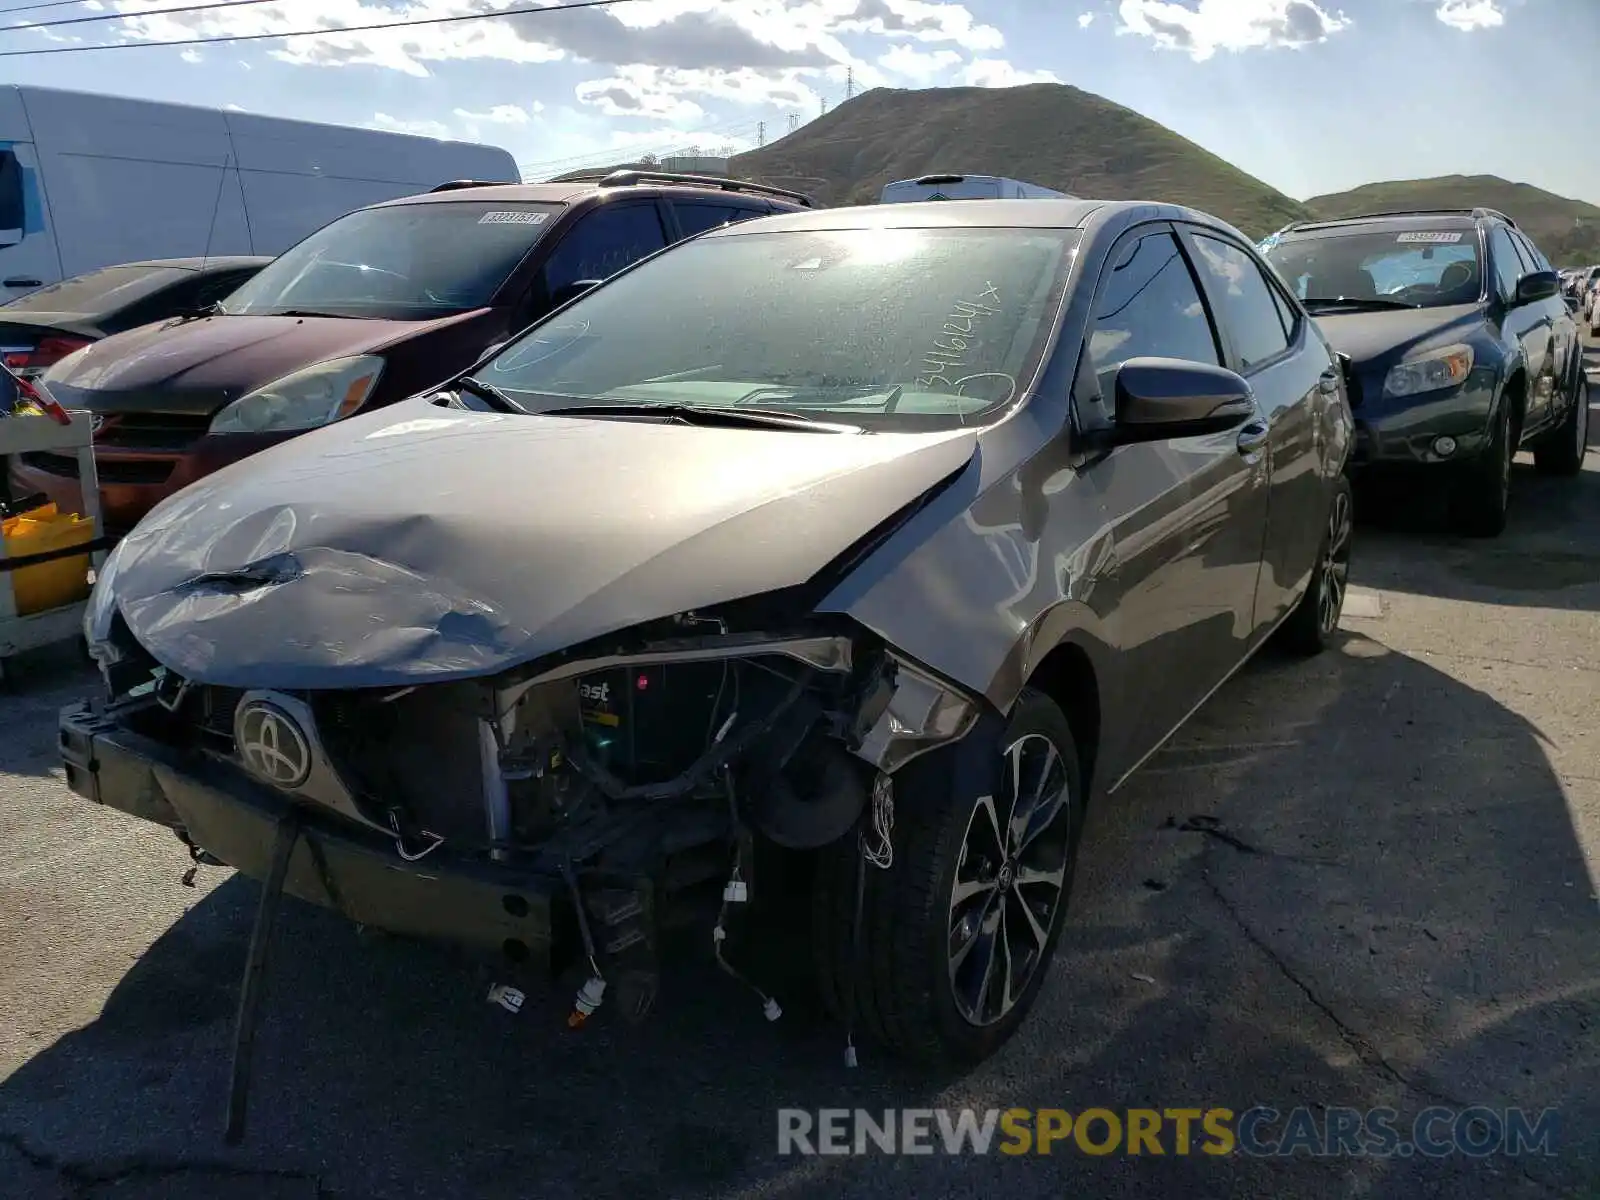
(191, 55)
(678, 34)
(1233, 25)
(235, 107)
(1467, 15)
(666, 93)
(920, 65)
(501, 114)
(1085, 20)
(919, 19)
(996, 73)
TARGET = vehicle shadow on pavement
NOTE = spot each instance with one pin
(1351, 882)
(1548, 556)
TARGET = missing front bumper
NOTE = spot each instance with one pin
(481, 906)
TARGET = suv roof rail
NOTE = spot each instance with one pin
(1474, 213)
(631, 178)
(456, 185)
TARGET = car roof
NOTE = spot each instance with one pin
(1438, 219)
(976, 214)
(498, 193)
(577, 189)
(221, 262)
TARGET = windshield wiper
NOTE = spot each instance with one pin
(214, 309)
(488, 391)
(706, 414)
(312, 312)
(1354, 302)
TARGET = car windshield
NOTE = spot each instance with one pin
(1424, 268)
(917, 329)
(404, 261)
(102, 291)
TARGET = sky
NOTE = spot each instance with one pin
(1311, 96)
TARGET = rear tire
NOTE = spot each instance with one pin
(1561, 453)
(1310, 628)
(1482, 494)
(954, 908)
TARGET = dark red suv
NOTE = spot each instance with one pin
(379, 305)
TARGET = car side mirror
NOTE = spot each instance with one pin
(1161, 398)
(571, 291)
(1536, 286)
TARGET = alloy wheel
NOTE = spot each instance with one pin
(1335, 563)
(1009, 882)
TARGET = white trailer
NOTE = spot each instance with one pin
(966, 187)
(87, 181)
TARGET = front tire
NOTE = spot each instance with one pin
(957, 934)
(1482, 495)
(1310, 628)
(1562, 452)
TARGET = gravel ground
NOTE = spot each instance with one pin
(1389, 900)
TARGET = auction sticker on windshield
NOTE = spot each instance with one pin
(513, 218)
(1432, 237)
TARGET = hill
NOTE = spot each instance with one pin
(1045, 133)
(1568, 231)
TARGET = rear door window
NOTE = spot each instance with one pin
(695, 216)
(1245, 304)
(609, 239)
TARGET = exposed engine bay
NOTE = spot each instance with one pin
(640, 773)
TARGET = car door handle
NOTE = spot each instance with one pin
(1253, 438)
(18, 281)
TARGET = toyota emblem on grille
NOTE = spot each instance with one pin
(272, 745)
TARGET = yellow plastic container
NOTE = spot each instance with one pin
(48, 585)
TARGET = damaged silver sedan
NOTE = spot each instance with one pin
(881, 539)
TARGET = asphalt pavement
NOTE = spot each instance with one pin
(1364, 881)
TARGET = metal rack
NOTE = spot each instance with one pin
(29, 434)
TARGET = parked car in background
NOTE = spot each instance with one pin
(965, 187)
(879, 536)
(40, 329)
(1462, 349)
(1576, 281)
(87, 180)
(374, 307)
(1589, 293)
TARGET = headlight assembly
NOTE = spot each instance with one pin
(101, 609)
(305, 399)
(1434, 371)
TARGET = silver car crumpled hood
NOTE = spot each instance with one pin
(425, 543)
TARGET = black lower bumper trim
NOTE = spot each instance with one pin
(467, 901)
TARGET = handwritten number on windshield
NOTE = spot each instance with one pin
(954, 342)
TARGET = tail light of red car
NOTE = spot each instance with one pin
(49, 351)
